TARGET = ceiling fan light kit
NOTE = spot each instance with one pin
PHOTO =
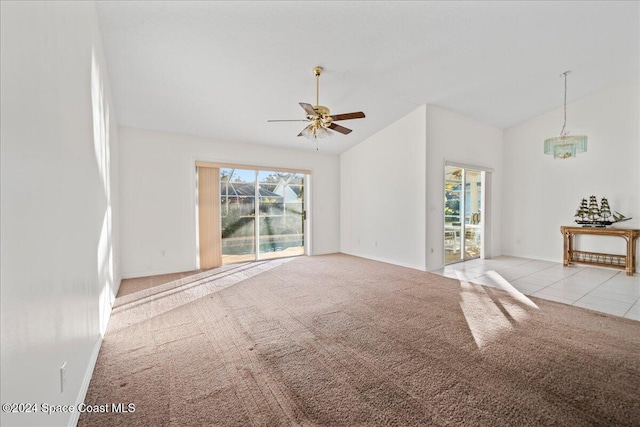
(315, 132)
(321, 121)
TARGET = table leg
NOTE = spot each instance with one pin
(630, 261)
(568, 249)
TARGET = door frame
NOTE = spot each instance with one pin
(307, 217)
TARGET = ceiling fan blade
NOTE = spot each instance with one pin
(287, 121)
(308, 108)
(348, 116)
(343, 130)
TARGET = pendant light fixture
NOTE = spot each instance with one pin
(565, 146)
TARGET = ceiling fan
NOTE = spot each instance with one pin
(321, 121)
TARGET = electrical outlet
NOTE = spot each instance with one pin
(63, 376)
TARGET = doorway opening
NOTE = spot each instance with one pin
(463, 213)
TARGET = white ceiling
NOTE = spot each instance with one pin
(222, 69)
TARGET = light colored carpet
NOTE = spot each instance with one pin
(342, 341)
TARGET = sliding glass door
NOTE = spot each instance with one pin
(462, 214)
(261, 214)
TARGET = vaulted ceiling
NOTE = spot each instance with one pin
(222, 69)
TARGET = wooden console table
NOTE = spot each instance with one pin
(627, 263)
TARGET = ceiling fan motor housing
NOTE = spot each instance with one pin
(322, 113)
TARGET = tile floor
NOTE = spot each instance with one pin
(600, 289)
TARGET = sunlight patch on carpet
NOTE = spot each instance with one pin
(488, 315)
(135, 308)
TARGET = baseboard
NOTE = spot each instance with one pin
(156, 273)
(116, 290)
(387, 261)
(84, 387)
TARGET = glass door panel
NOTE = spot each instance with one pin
(462, 214)
(472, 215)
(281, 221)
(237, 214)
(453, 214)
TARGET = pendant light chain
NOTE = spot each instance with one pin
(562, 132)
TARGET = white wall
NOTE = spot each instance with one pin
(541, 194)
(382, 194)
(392, 186)
(59, 191)
(455, 138)
(158, 195)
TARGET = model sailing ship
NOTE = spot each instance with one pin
(593, 215)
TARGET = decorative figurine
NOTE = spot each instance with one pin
(592, 215)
